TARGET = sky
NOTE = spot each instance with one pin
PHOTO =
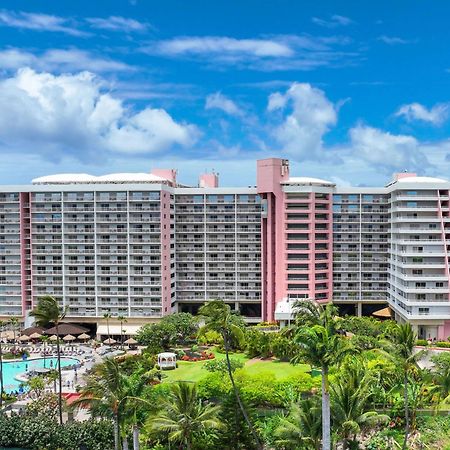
(348, 91)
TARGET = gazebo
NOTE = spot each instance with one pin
(167, 360)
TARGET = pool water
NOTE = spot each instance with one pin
(13, 368)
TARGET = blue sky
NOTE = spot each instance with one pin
(349, 91)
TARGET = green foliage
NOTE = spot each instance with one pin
(262, 390)
(442, 344)
(183, 418)
(46, 405)
(209, 338)
(422, 342)
(172, 330)
(264, 344)
(220, 365)
(41, 432)
(367, 326)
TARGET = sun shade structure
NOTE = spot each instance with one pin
(68, 338)
(35, 336)
(30, 330)
(131, 341)
(67, 328)
(384, 313)
(110, 341)
(24, 338)
(84, 336)
(54, 338)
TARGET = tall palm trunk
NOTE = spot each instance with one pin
(58, 355)
(405, 395)
(116, 432)
(236, 392)
(326, 414)
(125, 443)
(135, 437)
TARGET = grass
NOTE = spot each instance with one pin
(193, 371)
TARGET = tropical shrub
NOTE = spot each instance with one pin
(41, 432)
(422, 342)
(220, 365)
(172, 330)
(442, 344)
(210, 338)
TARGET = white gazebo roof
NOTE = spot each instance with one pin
(167, 355)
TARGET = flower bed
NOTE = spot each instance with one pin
(196, 356)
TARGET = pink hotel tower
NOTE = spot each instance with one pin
(143, 245)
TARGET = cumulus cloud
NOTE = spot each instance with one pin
(436, 115)
(59, 60)
(310, 117)
(71, 114)
(387, 151)
(117, 23)
(335, 21)
(225, 104)
(39, 22)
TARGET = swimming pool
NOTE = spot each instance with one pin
(13, 368)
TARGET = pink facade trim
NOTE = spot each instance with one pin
(209, 180)
(166, 280)
(25, 251)
(168, 174)
(443, 232)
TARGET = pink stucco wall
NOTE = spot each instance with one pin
(168, 174)
(275, 253)
(209, 180)
(165, 253)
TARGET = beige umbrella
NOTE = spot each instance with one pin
(35, 336)
(68, 338)
(131, 341)
(110, 341)
(53, 337)
(84, 336)
(24, 338)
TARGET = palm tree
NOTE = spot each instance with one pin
(122, 320)
(302, 427)
(183, 416)
(14, 323)
(404, 341)
(45, 340)
(48, 312)
(2, 325)
(219, 317)
(350, 400)
(107, 316)
(316, 333)
(114, 394)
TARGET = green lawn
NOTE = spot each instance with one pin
(193, 371)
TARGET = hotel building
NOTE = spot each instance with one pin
(143, 246)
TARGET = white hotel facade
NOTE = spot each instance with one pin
(143, 246)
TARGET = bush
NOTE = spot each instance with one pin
(209, 338)
(442, 344)
(422, 342)
(220, 365)
(39, 432)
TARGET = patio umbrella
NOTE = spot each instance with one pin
(35, 336)
(84, 336)
(53, 337)
(110, 341)
(68, 338)
(131, 341)
(24, 338)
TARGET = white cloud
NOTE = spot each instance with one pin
(387, 151)
(220, 101)
(393, 40)
(59, 60)
(436, 115)
(72, 115)
(39, 22)
(117, 23)
(311, 116)
(279, 52)
(335, 21)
